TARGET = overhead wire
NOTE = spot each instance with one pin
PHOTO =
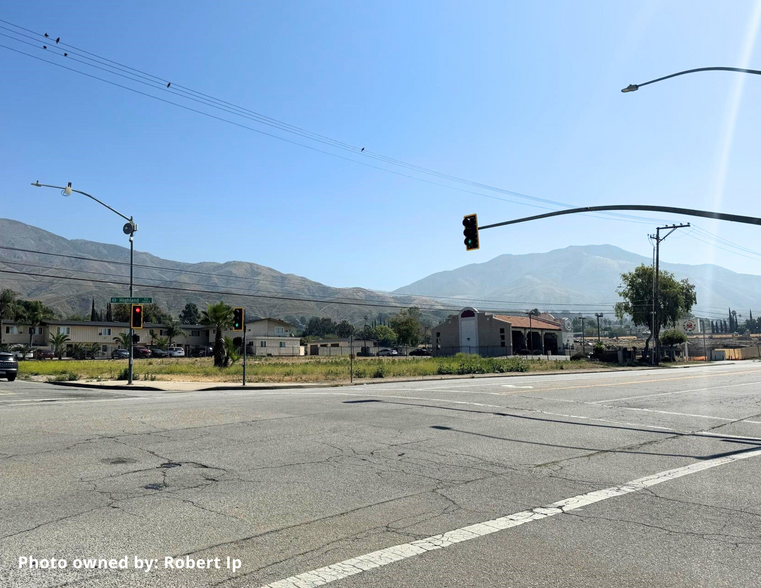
(262, 119)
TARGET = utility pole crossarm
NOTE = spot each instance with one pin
(735, 218)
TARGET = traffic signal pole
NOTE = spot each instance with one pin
(131, 330)
(244, 353)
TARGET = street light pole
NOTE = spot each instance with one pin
(635, 87)
(129, 229)
(599, 315)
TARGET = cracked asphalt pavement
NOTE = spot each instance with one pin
(290, 481)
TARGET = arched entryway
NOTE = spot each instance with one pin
(550, 344)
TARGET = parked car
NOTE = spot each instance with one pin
(387, 352)
(8, 365)
(120, 354)
(203, 351)
(17, 353)
(418, 352)
(176, 352)
(157, 351)
(141, 352)
(44, 354)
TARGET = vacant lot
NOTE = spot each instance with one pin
(290, 369)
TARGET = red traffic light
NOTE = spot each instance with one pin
(137, 309)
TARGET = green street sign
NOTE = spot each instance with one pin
(129, 300)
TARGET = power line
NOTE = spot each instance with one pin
(246, 113)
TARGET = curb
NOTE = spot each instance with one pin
(292, 385)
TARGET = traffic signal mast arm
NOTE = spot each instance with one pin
(735, 218)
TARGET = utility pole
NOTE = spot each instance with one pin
(599, 315)
(703, 328)
(656, 291)
(583, 348)
(244, 348)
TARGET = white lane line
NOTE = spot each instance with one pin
(383, 557)
(687, 414)
(674, 392)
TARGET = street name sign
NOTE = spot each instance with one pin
(128, 300)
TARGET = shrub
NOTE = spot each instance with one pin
(599, 348)
(123, 375)
(577, 356)
(380, 371)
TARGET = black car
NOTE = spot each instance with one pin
(203, 351)
(8, 365)
(120, 354)
(157, 351)
(419, 352)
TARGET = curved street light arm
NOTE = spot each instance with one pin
(127, 218)
(635, 87)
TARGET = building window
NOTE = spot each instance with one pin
(280, 331)
(502, 330)
(282, 344)
(64, 330)
(262, 344)
(104, 331)
(195, 333)
(207, 334)
(104, 348)
(162, 332)
(438, 334)
(502, 344)
(334, 345)
(11, 330)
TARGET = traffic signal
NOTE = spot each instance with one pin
(238, 316)
(136, 316)
(470, 222)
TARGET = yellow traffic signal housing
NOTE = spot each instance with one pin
(470, 222)
(136, 316)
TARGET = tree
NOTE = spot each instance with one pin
(190, 314)
(162, 343)
(94, 349)
(232, 351)
(173, 329)
(9, 307)
(35, 313)
(123, 340)
(94, 313)
(676, 298)
(152, 313)
(219, 316)
(673, 337)
(384, 335)
(344, 329)
(59, 344)
(406, 325)
(79, 351)
(320, 327)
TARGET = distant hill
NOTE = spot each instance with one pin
(585, 274)
(75, 297)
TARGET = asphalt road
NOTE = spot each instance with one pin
(643, 478)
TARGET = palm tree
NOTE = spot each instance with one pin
(59, 344)
(161, 343)
(232, 351)
(9, 307)
(94, 349)
(219, 316)
(123, 340)
(173, 329)
(35, 314)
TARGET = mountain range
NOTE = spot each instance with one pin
(578, 275)
(563, 279)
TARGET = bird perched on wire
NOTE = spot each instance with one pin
(58, 39)
(169, 84)
(361, 150)
(46, 34)
(65, 54)
(44, 46)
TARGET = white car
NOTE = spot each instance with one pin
(175, 352)
(19, 355)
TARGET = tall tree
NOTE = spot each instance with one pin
(35, 313)
(219, 316)
(173, 329)
(406, 325)
(344, 329)
(190, 315)
(676, 298)
(109, 315)
(93, 312)
(9, 308)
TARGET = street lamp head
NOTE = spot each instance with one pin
(67, 190)
(630, 88)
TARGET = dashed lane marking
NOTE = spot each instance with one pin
(655, 394)
(389, 555)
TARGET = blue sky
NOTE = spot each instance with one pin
(522, 96)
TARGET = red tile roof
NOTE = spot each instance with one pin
(522, 322)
